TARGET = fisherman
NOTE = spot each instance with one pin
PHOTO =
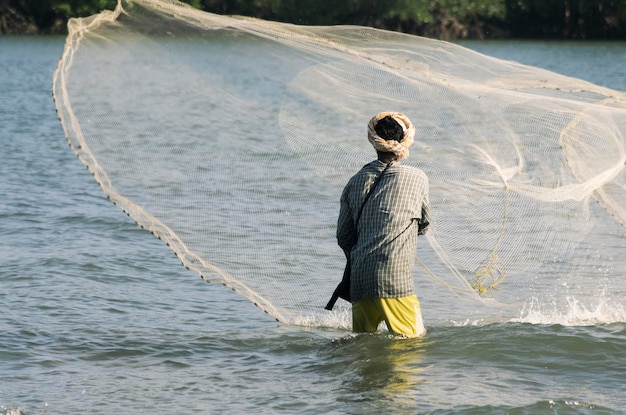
(381, 248)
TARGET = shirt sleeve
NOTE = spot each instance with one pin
(346, 233)
(424, 221)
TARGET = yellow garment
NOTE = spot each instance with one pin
(402, 315)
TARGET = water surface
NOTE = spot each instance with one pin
(98, 316)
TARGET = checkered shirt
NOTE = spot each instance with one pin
(384, 253)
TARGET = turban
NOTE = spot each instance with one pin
(399, 148)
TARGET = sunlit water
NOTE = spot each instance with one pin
(98, 316)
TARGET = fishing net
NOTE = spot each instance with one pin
(231, 139)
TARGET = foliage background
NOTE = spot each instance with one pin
(443, 19)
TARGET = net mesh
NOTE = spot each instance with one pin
(231, 138)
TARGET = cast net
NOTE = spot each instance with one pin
(231, 139)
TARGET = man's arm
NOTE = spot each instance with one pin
(424, 221)
(346, 234)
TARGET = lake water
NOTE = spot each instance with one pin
(98, 316)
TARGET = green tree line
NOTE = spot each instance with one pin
(444, 19)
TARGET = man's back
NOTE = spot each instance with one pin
(385, 249)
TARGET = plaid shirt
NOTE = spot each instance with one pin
(384, 253)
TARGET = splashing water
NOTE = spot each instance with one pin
(230, 139)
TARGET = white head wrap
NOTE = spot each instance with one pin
(400, 148)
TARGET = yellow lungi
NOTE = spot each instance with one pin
(402, 315)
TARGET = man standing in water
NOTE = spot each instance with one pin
(382, 246)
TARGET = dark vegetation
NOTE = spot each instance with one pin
(443, 19)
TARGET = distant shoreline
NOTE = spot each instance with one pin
(439, 25)
(14, 23)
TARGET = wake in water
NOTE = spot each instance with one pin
(230, 139)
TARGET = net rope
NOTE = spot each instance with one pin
(231, 138)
